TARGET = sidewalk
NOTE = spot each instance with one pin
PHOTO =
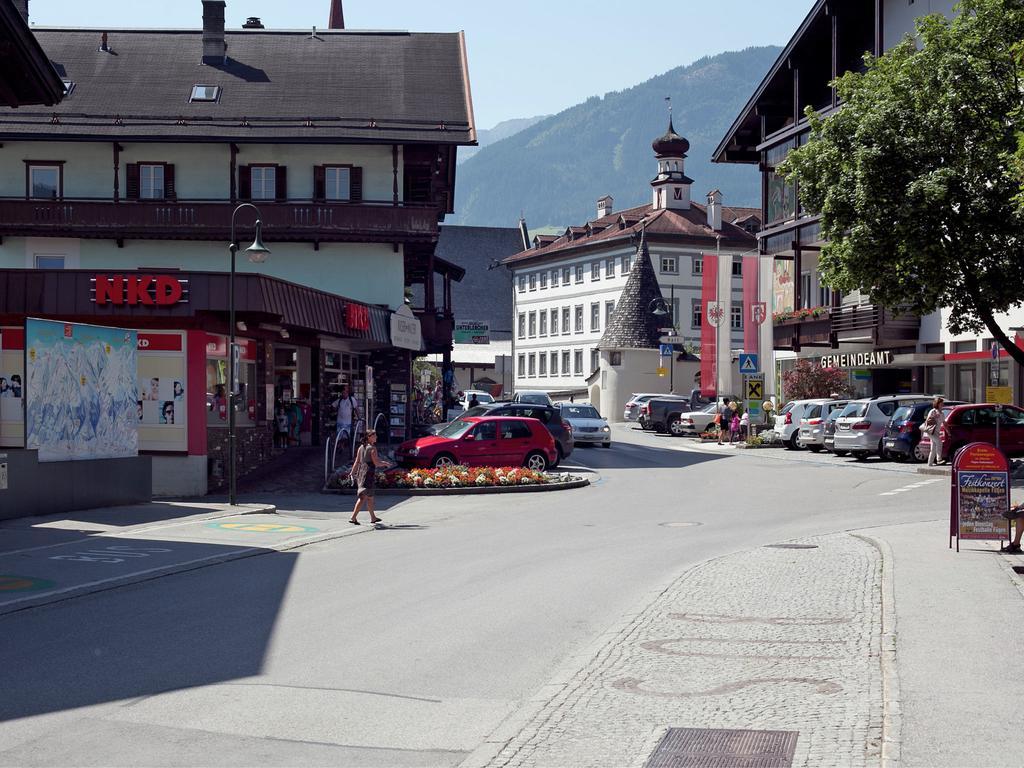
(877, 647)
(48, 559)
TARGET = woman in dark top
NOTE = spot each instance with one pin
(364, 472)
(724, 417)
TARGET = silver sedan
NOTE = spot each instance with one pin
(588, 426)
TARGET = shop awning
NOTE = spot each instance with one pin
(158, 298)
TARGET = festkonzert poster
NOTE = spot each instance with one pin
(81, 391)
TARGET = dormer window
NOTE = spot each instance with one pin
(205, 93)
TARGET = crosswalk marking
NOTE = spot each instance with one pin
(910, 487)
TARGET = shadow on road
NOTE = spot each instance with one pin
(131, 642)
(632, 456)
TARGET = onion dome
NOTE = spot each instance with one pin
(671, 144)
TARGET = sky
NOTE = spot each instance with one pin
(526, 58)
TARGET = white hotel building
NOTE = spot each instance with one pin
(565, 288)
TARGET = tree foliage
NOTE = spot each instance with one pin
(915, 175)
(809, 380)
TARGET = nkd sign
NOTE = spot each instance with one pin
(858, 359)
(139, 290)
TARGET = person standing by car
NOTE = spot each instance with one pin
(932, 424)
(724, 418)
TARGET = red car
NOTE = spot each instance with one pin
(976, 423)
(493, 441)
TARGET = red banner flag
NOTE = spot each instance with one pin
(708, 335)
(751, 298)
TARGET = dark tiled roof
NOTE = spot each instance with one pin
(25, 72)
(631, 325)
(483, 294)
(373, 87)
(689, 226)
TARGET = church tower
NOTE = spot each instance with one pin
(671, 186)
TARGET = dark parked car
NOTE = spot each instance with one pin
(977, 424)
(548, 415)
(662, 414)
(902, 438)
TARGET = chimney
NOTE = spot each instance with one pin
(337, 20)
(253, 22)
(604, 206)
(215, 49)
(22, 7)
(715, 210)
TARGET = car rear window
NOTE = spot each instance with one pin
(476, 410)
(541, 414)
(787, 408)
(903, 413)
(813, 412)
(854, 410)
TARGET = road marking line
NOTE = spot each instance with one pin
(911, 487)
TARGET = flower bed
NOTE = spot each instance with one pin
(458, 477)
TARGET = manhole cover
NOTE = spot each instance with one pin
(679, 525)
(791, 546)
(710, 747)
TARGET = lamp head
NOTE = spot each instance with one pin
(659, 308)
(258, 252)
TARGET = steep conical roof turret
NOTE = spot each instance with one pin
(632, 324)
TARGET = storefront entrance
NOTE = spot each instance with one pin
(891, 381)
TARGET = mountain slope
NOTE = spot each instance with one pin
(554, 171)
(502, 130)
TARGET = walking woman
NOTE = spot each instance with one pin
(364, 472)
(932, 424)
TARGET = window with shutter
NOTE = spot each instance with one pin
(319, 182)
(338, 182)
(131, 181)
(281, 185)
(245, 182)
(356, 184)
(151, 181)
(169, 191)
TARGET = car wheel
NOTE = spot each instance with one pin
(536, 461)
(606, 445)
(793, 443)
(659, 428)
(675, 426)
(840, 453)
(814, 448)
(444, 460)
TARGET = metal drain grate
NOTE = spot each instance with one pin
(791, 546)
(723, 748)
(1018, 569)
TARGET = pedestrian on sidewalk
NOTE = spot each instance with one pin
(932, 424)
(734, 425)
(745, 425)
(364, 472)
(723, 418)
(1013, 548)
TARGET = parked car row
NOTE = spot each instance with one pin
(890, 426)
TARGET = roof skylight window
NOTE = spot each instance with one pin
(69, 86)
(205, 93)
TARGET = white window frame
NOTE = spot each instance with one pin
(578, 319)
(531, 365)
(669, 265)
(554, 322)
(522, 367)
(696, 314)
(577, 362)
(522, 325)
(595, 271)
(339, 187)
(531, 325)
(737, 266)
(542, 364)
(553, 365)
(148, 189)
(609, 310)
(522, 283)
(263, 182)
(698, 265)
(566, 321)
(40, 260)
(579, 273)
(566, 275)
(627, 262)
(736, 318)
(595, 316)
(533, 281)
(566, 361)
(543, 323)
(57, 169)
(544, 280)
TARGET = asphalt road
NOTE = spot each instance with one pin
(407, 646)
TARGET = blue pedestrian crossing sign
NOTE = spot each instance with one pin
(749, 364)
(666, 350)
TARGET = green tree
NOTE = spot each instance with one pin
(914, 176)
(809, 380)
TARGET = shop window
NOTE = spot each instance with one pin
(935, 380)
(217, 388)
(997, 374)
(45, 181)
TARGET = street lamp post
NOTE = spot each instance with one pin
(659, 310)
(257, 254)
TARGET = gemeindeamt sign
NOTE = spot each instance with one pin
(858, 359)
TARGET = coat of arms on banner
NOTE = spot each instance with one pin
(758, 312)
(716, 313)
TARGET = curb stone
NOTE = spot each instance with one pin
(465, 490)
(892, 711)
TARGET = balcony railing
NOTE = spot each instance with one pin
(297, 221)
(868, 323)
(792, 333)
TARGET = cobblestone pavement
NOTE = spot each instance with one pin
(774, 639)
(296, 470)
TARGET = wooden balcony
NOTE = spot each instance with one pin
(871, 324)
(792, 334)
(296, 221)
(438, 328)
